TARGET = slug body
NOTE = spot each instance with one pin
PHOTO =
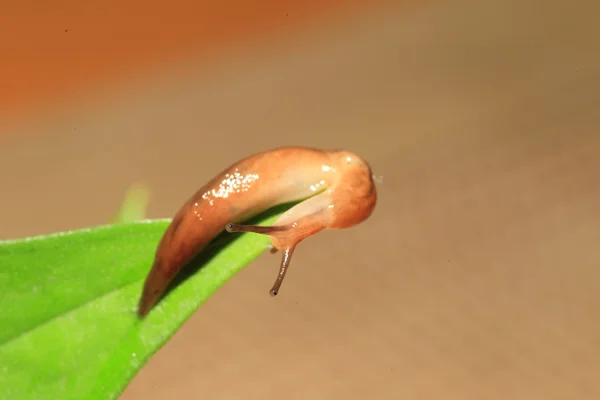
(337, 186)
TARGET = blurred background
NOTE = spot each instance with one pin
(478, 274)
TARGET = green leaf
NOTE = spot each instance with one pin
(134, 205)
(68, 322)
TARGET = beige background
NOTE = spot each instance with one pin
(478, 275)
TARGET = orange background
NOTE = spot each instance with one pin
(53, 50)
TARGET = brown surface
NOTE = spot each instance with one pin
(51, 51)
(478, 275)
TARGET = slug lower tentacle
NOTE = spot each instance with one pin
(337, 186)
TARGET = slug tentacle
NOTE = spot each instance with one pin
(298, 223)
(285, 262)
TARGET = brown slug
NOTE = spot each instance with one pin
(337, 186)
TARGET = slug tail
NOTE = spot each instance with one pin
(154, 287)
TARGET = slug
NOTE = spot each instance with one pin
(335, 189)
